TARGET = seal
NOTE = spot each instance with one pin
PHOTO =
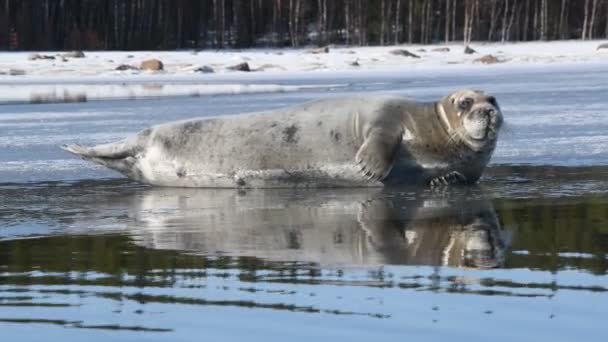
(341, 142)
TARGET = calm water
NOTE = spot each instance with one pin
(85, 254)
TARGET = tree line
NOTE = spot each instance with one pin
(200, 24)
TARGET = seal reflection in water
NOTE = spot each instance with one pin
(354, 141)
(331, 228)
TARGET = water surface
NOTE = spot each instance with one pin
(85, 254)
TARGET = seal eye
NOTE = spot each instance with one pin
(465, 104)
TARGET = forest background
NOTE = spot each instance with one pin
(217, 24)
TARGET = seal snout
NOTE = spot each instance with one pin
(477, 123)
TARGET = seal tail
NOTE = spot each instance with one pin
(116, 156)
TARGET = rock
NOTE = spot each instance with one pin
(404, 53)
(124, 67)
(487, 59)
(36, 56)
(16, 72)
(469, 51)
(602, 46)
(355, 63)
(74, 54)
(205, 69)
(152, 64)
(441, 49)
(264, 67)
(324, 49)
(349, 52)
(240, 67)
(130, 56)
(421, 50)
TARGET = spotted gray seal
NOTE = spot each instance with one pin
(351, 141)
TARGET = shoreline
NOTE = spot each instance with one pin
(185, 63)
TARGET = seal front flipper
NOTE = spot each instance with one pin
(377, 154)
(450, 178)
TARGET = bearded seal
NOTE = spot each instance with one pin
(341, 142)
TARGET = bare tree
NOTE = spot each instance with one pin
(585, 21)
(347, 20)
(454, 20)
(447, 20)
(562, 19)
(606, 30)
(469, 12)
(515, 11)
(429, 21)
(397, 22)
(322, 21)
(592, 21)
(294, 22)
(276, 14)
(543, 19)
(410, 22)
(362, 21)
(526, 20)
(382, 21)
(494, 12)
(504, 21)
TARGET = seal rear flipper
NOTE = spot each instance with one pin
(116, 156)
(113, 150)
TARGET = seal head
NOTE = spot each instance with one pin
(471, 117)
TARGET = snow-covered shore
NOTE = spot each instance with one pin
(55, 78)
(275, 61)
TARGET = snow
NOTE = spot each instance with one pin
(69, 80)
(275, 61)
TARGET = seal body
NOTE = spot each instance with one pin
(343, 142)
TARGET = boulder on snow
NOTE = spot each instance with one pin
(404, 53)
(74, 54)
(324, 49)
(240, 67)
(124, 67)
(487, 59)
(469, 51)
(16, 72)
(205, 69)
(602, 46)
(37, 56)
(441, 49)
(152, 64)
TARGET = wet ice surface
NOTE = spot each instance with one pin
(524, 255)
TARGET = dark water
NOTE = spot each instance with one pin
(81, 258)
(85, 255)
